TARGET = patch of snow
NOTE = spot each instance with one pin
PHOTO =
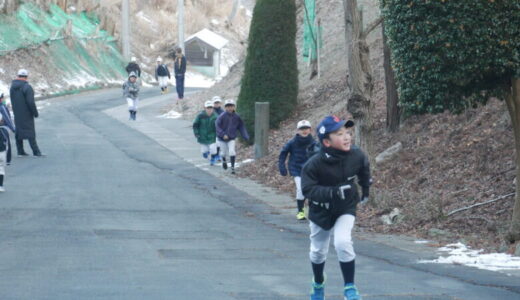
(152, 46)
(229, 59)
(148, 20)
(4, 88)
(81, 80)
(247, 161)
(193, 79)
(249, 13)
(42, 104)
(460, 254)
(2, 71)
(215, 22)
(172, 114)
(421, 242)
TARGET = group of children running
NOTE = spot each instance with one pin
(216, 131)
(326, 173)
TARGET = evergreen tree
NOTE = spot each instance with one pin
(271, 73)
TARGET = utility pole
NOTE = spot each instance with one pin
(180, 21)
(125, 31)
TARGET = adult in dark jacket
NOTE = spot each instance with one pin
(24, 109)
(328, 181)
(133, 67)
(7, 124)
(228, 126)
(179, 68)
(296, 149)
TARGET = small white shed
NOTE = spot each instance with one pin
(203, 51)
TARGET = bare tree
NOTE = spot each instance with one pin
(393, 113)
(360, 78)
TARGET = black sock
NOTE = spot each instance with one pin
(300, 204)
(218, 150)
(1, 180)
(232, 158)
(348, 269)
(223, 159)
(317, 270)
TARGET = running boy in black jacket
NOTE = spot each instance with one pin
(328, 181)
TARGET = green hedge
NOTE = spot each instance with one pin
(452, 54)
(271, 73)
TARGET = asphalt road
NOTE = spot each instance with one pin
(110, 213)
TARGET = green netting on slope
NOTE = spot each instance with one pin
(89, 53)
(311, 31)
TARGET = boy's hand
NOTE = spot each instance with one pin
(226, 137)
(343, 190)
(283, 171)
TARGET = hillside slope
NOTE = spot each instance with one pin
(447, 161)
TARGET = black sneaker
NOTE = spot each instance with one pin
(224, 165)
(39, 154)
(233, 170)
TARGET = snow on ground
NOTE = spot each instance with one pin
(4, 88)
(422, 242)
(194, 79)
(172, 114)
(228, 60)
(460, 254)
(2, 71)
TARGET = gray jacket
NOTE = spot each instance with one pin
(131, 90)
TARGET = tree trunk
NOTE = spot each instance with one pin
(359, 77)
(513, 105)
(393, 113)
(234, 10)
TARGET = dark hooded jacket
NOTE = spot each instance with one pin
(230, 124)
(133, 67)
(24, 109)
(296, 148)
(322, 176)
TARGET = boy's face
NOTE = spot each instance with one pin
(216, 104)
(209, 110)
(133, 79)
(304, 132)
(340, 139)
(230, 108)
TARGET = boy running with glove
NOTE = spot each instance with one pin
(328, 181)
(296, 148)
(205, 131)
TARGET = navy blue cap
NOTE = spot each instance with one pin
(330, 124)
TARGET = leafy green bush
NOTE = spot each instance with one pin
(271, 73)
(452, 54)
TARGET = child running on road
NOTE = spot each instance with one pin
(131, 93)
(296, 149)
(205, 132)
(228, 125)
(328, 182)
(217, 102)
(162, 75)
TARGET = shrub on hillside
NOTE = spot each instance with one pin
(271, 73)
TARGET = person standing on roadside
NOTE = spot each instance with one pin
(162, 75)
(7, 124)
(25, 111)
(180, 70)
(133, 66)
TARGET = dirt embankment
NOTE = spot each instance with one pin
(447, 162)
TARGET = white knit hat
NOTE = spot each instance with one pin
(303, 124)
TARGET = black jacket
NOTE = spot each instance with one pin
(322, 176)
(133, 67)
(162, 70)
(180, 68)
(24, 108)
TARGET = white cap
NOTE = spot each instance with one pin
(159, 59)
(216, 99)
(133, 59)
(208, 104)
(303, 124)
(229, 102)
(132, 74)
(23, 72)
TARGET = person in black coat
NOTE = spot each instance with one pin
(179, 68)
(133, 67)
(296, 149)
(328, 181)
(24, 109)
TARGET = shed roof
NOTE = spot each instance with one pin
(209, 37)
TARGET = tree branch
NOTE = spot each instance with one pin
(371, 27)
(479, 204)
